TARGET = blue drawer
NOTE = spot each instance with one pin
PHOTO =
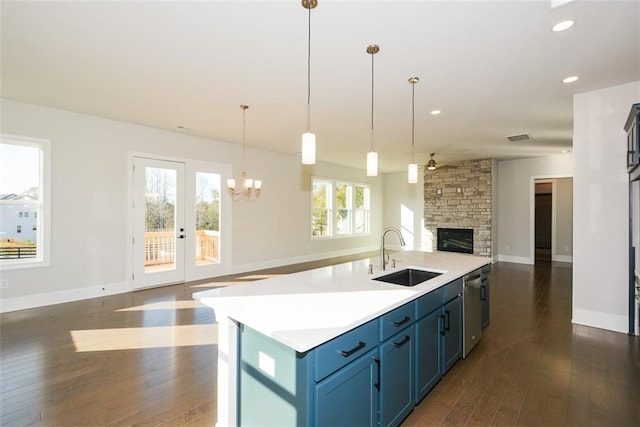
(429, 302)
(396, 320)
(451, 290)
(334, 354)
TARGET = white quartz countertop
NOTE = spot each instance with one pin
(306, 309)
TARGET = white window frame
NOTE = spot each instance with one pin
(351, 208)
(43, 204)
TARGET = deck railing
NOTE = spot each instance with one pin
(159, 247)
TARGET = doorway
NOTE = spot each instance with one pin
(551, 219)
(179, 221)
(543, 220)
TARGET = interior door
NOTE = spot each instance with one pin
(158, 222)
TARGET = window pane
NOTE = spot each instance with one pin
(19, 200)
(320, 222)
(343, 221)
(207, 211)
(342, 196)
(320, 212)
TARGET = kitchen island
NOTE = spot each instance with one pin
(290, 339)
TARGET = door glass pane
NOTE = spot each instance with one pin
(160, 214)
(207, 211)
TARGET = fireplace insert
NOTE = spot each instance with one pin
(455, 240)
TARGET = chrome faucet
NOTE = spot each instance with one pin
(383, 262)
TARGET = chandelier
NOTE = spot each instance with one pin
(250, 189)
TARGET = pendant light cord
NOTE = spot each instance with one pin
(244, 111)
(309, 75)
(372, 86)
(413, 118)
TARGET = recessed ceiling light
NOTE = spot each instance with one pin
(562, 26)
(436, 112)
(570, 79)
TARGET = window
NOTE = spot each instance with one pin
(24, 201)
(339, 208)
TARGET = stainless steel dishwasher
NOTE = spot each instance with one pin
(472, 311)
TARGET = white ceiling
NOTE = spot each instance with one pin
(493, 67)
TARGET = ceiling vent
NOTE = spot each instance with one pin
(520, 137)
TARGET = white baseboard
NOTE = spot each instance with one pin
(515, 259)
(562, 258)
(610, 322)
(59, 297)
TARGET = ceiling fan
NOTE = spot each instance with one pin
(432, 165)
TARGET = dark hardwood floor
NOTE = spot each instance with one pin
(149, 358)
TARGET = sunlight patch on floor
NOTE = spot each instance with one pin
(146, 337)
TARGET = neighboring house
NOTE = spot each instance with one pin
(18, 221)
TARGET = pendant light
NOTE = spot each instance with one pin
(372, 156)
(250, 189)
(412, 172)
(309, 138)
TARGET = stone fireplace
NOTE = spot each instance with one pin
(458, 196)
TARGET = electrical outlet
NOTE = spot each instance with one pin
(506, 247)
(566, 248)
(4, 283)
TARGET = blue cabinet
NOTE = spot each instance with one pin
(451, 333)
(373, 375)
(349, 397)
(397, 337)
(428, 354)
(438, 335)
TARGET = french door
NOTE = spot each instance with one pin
(179, 221)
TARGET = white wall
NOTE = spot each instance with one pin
(601, 224)
(404, 209)
(90, 184)
(515, 202)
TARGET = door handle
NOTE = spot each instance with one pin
(401, 322)
(441, 324)
(347, 353)
(377, 383)
(483, 293)
(447, 323)
(405, 340)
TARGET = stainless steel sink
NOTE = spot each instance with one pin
(408, 277)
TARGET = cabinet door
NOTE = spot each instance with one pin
(452, 333)
(486, 304)
(428, 354)
(396, 377)
(349, 397)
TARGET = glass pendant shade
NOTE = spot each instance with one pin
(231, 183)
(372, 163)
(308, 148)
(412, 173)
